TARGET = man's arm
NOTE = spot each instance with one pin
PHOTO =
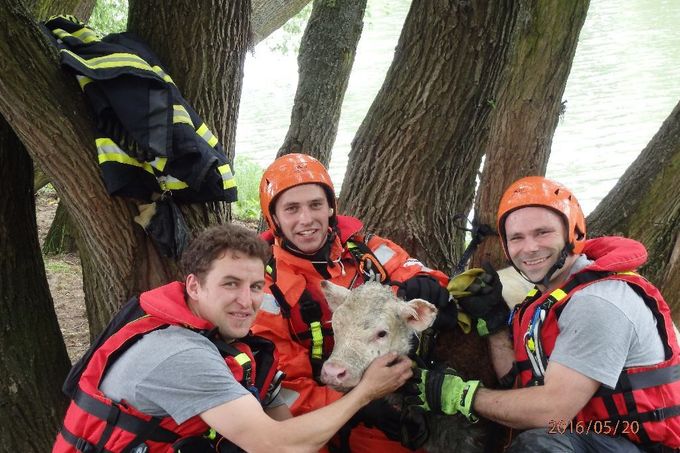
(563, 395)
(501, 351)
(243, 421)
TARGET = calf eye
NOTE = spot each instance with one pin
(382, 334)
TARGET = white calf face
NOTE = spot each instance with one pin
(368, 322)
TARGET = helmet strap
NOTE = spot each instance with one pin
(545, 281)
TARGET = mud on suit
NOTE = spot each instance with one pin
(645, 398)
(293, 293)
(93, 422)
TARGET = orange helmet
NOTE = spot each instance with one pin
(289, 171)
(539, 191)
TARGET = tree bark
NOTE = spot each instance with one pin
(44, 9)
(528, 106)
(325, 62)
(118, 260)
(61, 237)
(645, 205)
(33, 363)
(269, 15)
(428, 126)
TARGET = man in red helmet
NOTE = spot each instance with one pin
(592, 350)
(311, 243)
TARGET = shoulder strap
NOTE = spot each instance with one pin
(128, 313)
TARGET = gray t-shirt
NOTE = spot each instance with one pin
(172, 371)
(604, 328)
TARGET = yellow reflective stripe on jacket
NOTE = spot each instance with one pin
(159, 163)
(180, 115)
(205, 133)
(228, 180)
(242, 358)
(171, 183)
(84, 35)
(317, 340)
(118, 60)
(532, 292)
(109, 151)
(83, 81)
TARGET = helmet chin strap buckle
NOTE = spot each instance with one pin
(566, 251)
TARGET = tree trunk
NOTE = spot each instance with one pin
(118, 260)
(33, 362)
(428, 126)
(645, 205)
(61, 235)
(269, 15)
(325, 62)
(44, 9)
(528, 106)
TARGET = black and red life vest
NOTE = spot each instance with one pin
(645, 404)
(94, 422)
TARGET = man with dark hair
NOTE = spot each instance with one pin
(596, 357)
(312, 243)
(179, 363)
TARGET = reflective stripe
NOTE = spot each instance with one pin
(270, 305)
(83, 81)
(180, 115)
(532, 292)
(119, 60)
(206, 135)
(164, 75)
(288, 396)
(228, 180)
(171, 183)
(86, 35)
(317, 339)
(242, 358)
(109, 151)
(159, 163)
(384, 253)
(558, 294)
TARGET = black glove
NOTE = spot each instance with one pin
(485, 303)
(429, 289)
(381, 415)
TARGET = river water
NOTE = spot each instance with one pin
(624, 82)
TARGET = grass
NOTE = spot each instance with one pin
(248, 175)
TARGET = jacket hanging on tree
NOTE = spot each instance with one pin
(149, 138)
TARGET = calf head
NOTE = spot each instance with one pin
(369, 321)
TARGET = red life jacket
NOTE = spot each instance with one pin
(645, 404)
(304, 305)
(94, 422)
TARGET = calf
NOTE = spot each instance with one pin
(370, 321)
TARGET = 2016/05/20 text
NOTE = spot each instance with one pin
(606, 427)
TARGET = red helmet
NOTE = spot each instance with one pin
(542, 192)
(289, 171)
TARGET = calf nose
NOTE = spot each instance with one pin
(332, 373)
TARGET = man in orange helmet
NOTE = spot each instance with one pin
(592, 350)
(311, 243)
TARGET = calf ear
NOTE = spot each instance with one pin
(335, 294)
(419, 314)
